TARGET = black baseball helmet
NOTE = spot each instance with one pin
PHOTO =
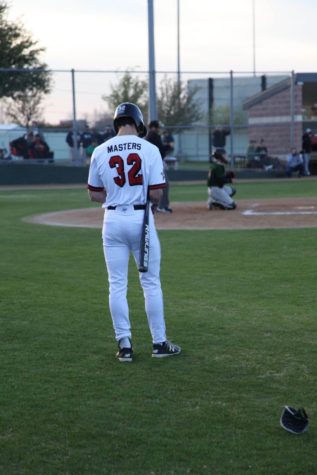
(131, 111)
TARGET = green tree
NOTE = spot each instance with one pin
(25, 108)
(221, 116)
(19, 51)
(128, 89)
(177, 104)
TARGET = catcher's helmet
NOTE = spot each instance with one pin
(131, 111)
(219, 157)
(294, 420)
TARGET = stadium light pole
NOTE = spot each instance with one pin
(152, 86)
(75, 125)
(253, 37)
(180, 147)
(178, 49)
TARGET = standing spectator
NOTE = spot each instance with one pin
(86, 138)
(71, 144)
(91, 148)
(102, 136)
(219, 137)
(153, 136)
(98, 136)
(307, 148)
(295, 163)
(168, 142)
(109, 133)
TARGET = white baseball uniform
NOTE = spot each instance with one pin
(126, 166)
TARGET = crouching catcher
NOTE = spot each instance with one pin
(219, 182)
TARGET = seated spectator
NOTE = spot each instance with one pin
(258, 157)
(254, 159)
(19, 147)
(250, 153)
(295, 163)
(29, 137)
(39, 148)
(262, 153)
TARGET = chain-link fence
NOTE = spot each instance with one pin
(251, 107)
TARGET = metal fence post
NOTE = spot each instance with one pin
(75, 127)
(231, 120)
(292, 110)
(210, 104)
(152, 86)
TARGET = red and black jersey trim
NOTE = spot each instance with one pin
(157, 187)
(95, 188)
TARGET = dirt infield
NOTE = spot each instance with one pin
(250, 214)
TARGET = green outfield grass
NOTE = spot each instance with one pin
(242, 304)
(249, 189)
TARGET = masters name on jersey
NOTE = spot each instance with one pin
(123, 146)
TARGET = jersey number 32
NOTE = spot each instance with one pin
(133, 175)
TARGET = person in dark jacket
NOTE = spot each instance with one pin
(86, 138)
(219, 138)
(71, 143)
(153, 136)
(306, 149)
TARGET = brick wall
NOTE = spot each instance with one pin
(276, 130)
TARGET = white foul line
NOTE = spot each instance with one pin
(250, 212)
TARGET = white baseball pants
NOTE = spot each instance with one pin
(220, 195)
(121, 237)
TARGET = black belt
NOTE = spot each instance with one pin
(134, 206)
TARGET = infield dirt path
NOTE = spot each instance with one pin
(250, 214)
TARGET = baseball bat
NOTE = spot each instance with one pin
(145, 240)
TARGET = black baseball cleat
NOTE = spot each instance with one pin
(161, 350)
(225, 208)
(233, 206)
(168, 210)
(125, 355)
(218, 205)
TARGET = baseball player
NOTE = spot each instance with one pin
(123, 172)
(219, 191)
